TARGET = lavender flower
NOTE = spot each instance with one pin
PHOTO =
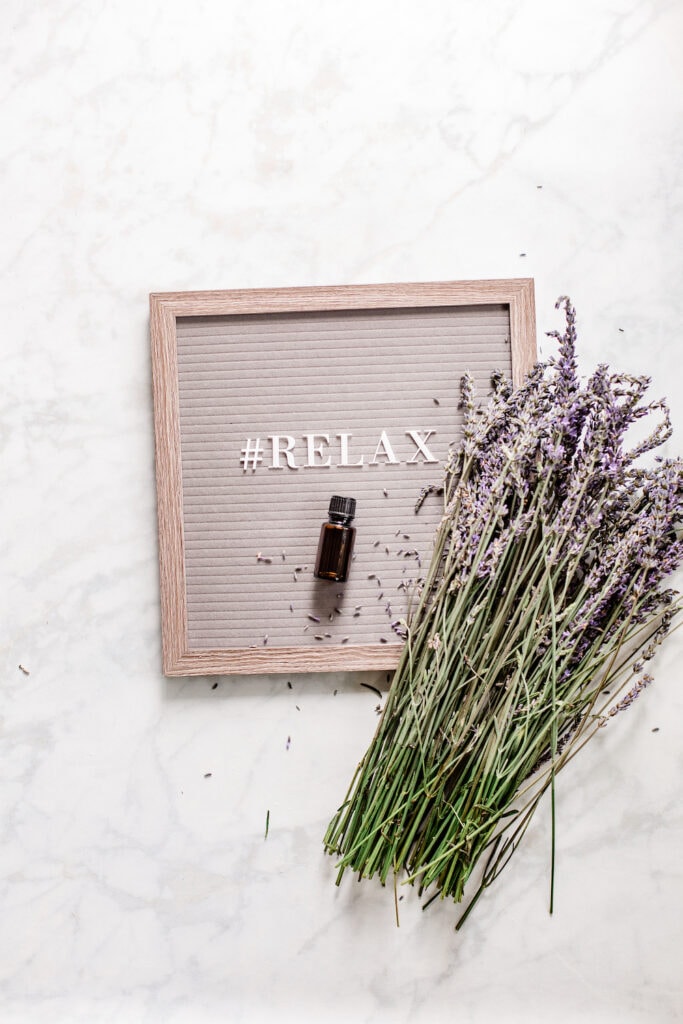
(544, 591)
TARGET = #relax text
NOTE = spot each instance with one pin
(316, 451)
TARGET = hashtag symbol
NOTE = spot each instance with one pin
(251, 454)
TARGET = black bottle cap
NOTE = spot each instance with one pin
(343, 507)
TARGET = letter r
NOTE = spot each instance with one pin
(287, 451)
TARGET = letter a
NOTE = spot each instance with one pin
(384, 448)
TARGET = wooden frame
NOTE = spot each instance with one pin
(165, 309)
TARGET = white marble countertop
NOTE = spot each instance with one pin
(150, 147)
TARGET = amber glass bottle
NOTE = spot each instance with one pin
(336, 540)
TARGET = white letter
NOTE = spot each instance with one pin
(286, 451)
(421, 443)
(314, 449)
(344, 439)
(384, 448)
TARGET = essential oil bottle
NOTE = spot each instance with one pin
(336, 540)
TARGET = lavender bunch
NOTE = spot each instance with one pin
(543, 600)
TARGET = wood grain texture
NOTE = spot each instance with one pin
(194, 504)
(522, 329)
(169, 484)
(244, 661)
(514, 291)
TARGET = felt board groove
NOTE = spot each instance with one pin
(232, 598)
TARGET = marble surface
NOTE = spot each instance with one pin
(156, 146)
